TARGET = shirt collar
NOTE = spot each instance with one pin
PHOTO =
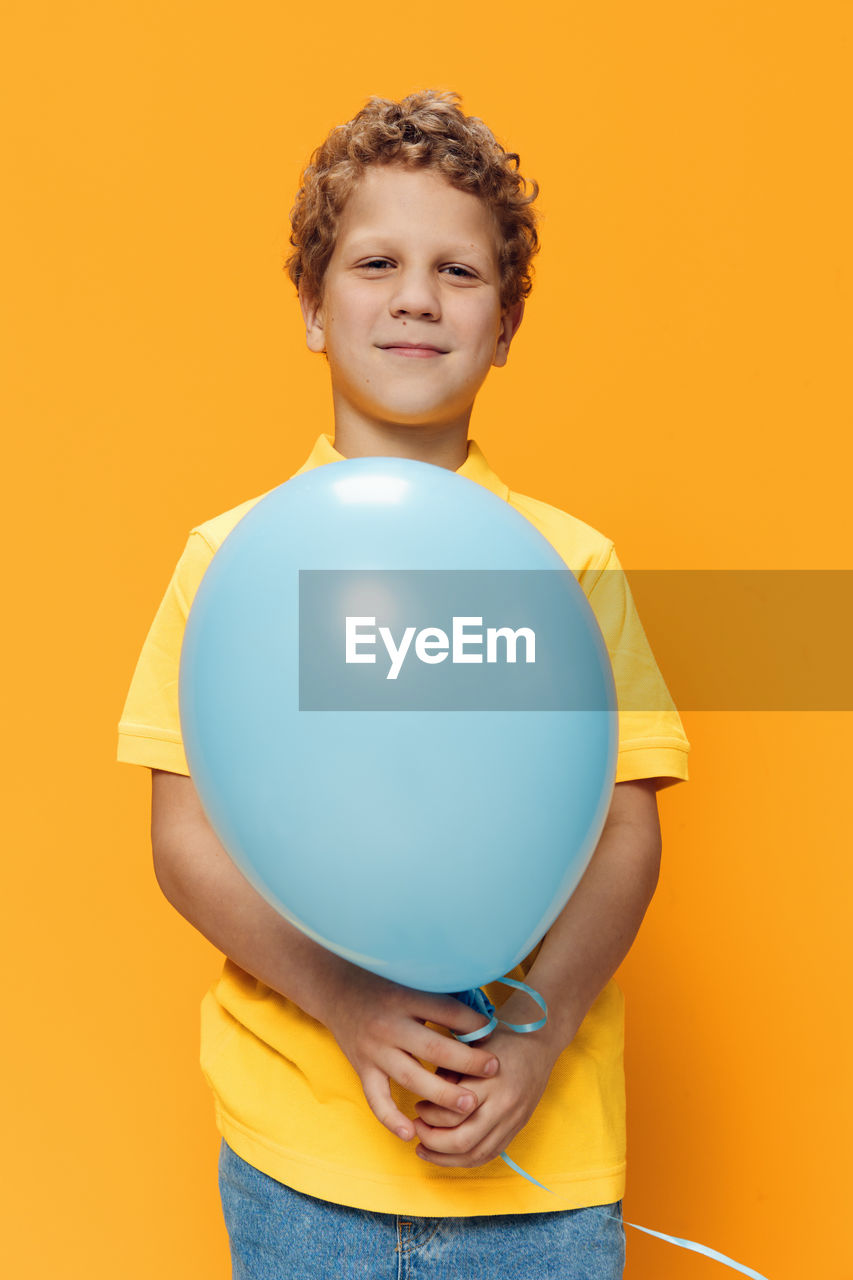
(475, 467)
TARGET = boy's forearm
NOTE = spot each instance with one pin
(204, 885)
(594, 932)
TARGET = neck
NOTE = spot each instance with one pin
(442, 446)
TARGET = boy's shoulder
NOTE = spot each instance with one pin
(216, 530)
(583, 548)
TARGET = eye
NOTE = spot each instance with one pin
(375, 262)
(461, 273)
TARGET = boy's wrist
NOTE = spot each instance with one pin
(562, 1023)
(331, 986)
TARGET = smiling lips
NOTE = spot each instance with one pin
(419, 350)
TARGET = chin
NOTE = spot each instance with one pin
(415, 414)
(421, 419)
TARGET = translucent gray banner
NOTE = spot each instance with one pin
(721, 640)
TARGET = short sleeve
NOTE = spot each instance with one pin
(150, 729)
(652, 741)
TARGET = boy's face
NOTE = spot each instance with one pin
(415, 262)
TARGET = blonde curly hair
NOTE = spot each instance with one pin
(424, 130)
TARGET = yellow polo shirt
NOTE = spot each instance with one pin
(286, 1098)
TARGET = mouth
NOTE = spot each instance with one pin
(419, 350)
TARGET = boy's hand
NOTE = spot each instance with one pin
(379, 1025)
(506, 1103)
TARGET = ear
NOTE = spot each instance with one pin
(312, 314)
(510, 320)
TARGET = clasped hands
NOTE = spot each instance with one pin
(478, 1097)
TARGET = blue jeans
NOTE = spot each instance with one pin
(277, 1233)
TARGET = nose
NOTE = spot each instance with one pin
(416, 294)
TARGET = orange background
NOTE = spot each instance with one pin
(680, 382)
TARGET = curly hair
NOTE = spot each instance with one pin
(424, 130)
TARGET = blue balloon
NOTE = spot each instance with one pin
(423, 807)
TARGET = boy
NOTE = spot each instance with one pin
(412, 237)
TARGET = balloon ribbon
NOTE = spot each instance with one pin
(477, 999)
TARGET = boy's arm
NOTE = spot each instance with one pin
(580, 952)
(378, 1024)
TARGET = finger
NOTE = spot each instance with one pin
(471, 1143)
(441, 1116)
(409, 1073)
(451, 1140)
(438, 1117)
(442, 1051)
(377, 1091)
(453, 1014)
(471, 1160)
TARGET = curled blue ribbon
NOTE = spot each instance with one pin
(477, 999)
